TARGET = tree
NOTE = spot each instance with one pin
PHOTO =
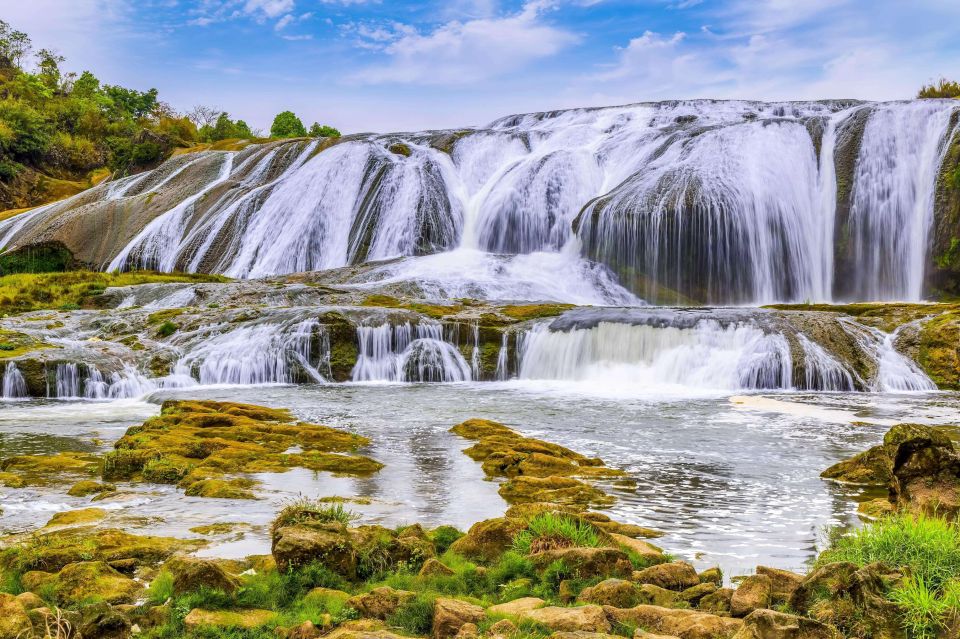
(49, 63)
(942, 89)
(86, 86)
(136, 103)
(14, 45)
(317, 131)
(287, 125)
(203, 116)
(226, 129)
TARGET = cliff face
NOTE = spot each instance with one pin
(943, 276)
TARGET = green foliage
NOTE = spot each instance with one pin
(317, 131)
(224, 129)
(443, 537)
(161, 588)
(942, 89)
(555, 529)
(64, 126)
(304, 510)
(45, 258)
(927, 548)
(167, 329)
(287, 125)
(415, 616)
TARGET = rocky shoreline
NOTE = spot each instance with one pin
(549, 567)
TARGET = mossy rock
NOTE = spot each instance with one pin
(77, 517)
(87, 487)
(91, 581)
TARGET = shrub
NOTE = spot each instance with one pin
(317, 131)
(443, 537)
(415, 616)
(304, 510)
(287, 125)
(167, 329)
(553, 530)
(942, 89)
(161, 588)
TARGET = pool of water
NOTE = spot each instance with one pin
(730, 480)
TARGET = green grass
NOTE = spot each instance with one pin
(927, 548)
(161, 588)
(415, 616)
(303, 510)
(167, 329)
(443, 537)
(555, 529)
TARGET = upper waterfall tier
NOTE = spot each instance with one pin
(720, 202)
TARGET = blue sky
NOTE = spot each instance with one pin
(387, 65)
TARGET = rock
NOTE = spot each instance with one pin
(516, 607)
(328, 594)
(328, 544)
(639, 633)
(647, 551)
(656, 596)
(717, 603)
(676, 575)
(769, 624)
(306, 630)
(685, 624)
(587, 618)
(693, 595)
(826, 582)
(468, 631)
(433, 566)
(587, 562)
(102, 621)
(611, 592)
(87, 487)
(752, 593)
(253, 618)
(502, 628)
(77, 517)
(871, 467)
(712, 576)
(14, 621)
(191, 573)
(34, 580)
(449, 615)
(348, 632)
(487, 540)
(783, 583)
(926, 470)
(582, 634)
(29, 601)
(93, 581)
(553, 489)
(381, 602)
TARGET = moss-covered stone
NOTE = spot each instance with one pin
(91, 581)
(87, 487)
(77, 517)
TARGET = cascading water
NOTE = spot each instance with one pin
(691, 201)
(704, 355)
(14, 385)
(894, 371)
(407, 353)
(822, 371)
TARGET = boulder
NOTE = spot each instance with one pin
(582, 634)
(191, 573)
(587, 618)
(656, 596)
(468, 631)
(871, 467)
(712, 576)
(645, 550)
(685, 624)
(640, 633)
(487, 540)
(329, 544)
(783, 583)
(86, 487)
(676, 575)
(826, 582)
(769, 624)
(94, 581)
(611, 592)
(433, 567)
(14, 621)
(926, 470)
(502, 628)
(752, 593)
(306, 630)
(587, 562)
(246, 619)
(693, 595)
(29, 601)
(516, 607)
(449, 615)
(381, 602)
(718, 602)
(102, 621)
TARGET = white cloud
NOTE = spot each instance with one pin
(268, 8)
(465, 52)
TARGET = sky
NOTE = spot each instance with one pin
(389, 65)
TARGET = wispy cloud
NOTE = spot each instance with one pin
(463, 52)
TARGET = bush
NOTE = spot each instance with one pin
(552, 530)
(942, 89)
(317, 131)
(287, 125)
(167, 329)
(928, 548)
(443, 537)
(304, 510)
(161, 588)
(415, 616)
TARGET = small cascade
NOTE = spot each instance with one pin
(503, 359)
(822, 371)
(894, 372)
(66, 381)
(475, 371)
(407, 353)
(267, 353)
(14, 385)
(84, 381)
(703, 354)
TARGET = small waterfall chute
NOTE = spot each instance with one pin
(14, 384)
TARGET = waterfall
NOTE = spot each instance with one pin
(822, 371)
(892, 209)
(894, 371)
(267, 353)
(14, 385)
(704, 354)
(66, 381)
(682, 202)
(503, 359)
(85, 381)
(408, 353)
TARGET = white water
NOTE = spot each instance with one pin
(14, 385)
(407, 353)
(822, 371)
(721, 202)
